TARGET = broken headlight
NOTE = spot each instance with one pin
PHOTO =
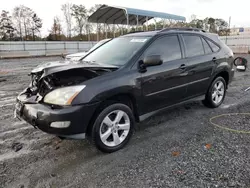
(63, 96)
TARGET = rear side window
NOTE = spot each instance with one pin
(207, 48)
(194, 45)
(168, 47)
(213, 46)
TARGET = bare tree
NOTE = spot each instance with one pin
(67, 11)
(36, 25)
(27, 21)
(79, 12)
(27, 18)
(94, 8)
(56, 30)
(90, 26)
(17, 15)
(7, 30)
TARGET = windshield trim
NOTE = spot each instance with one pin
(90, 51)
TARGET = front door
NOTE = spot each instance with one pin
(165, 84)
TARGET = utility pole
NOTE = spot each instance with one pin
(229, 23)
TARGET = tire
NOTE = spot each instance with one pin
(215, 96)
(107, 123)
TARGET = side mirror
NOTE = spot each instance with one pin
(152, 60)
(240, 63)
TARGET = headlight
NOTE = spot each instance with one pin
(63, 96)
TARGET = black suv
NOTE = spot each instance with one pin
(125, 81)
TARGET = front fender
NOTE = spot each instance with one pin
(98, 90)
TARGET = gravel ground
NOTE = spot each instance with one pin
(177, 148)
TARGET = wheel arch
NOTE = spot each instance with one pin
(224, 74)
(124, 98)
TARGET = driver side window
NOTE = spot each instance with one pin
(168, 47)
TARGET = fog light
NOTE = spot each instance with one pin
(60, 124)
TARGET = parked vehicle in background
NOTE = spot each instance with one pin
(125, 81)
(70, 60)
(78, 56)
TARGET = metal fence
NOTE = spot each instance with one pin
(42, 48)
(239, 44)
(239, 40)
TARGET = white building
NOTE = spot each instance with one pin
(240, 31)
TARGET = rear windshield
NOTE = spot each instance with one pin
(117, 52)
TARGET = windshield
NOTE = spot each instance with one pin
(117, 52)
(98, 44)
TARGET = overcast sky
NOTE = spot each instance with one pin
(238, 10)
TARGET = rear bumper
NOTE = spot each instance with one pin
(42, 116)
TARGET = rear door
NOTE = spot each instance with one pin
(200, 63)
(164, 85)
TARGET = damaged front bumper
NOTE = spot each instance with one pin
(70, 121)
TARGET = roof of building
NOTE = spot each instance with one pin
(118, 15)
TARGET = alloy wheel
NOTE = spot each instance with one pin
(115, 128)
(218, 92)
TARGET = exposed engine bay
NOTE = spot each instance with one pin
(43, 85)
(52, 75)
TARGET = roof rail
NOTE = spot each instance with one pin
(183, 29)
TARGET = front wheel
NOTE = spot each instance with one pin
(216, 93)
(113, 128)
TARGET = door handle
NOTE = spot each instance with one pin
(183, 66)
(214, 59)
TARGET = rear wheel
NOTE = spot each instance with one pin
(113, 127)
(216, 93)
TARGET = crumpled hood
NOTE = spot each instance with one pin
(58, 66)
(42, 66)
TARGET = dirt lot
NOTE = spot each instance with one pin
(177, 148)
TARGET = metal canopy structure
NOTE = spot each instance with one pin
(128, 16)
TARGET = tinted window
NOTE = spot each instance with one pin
(207, 48)
(193, 45)
(168, 47)
(213, 46)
